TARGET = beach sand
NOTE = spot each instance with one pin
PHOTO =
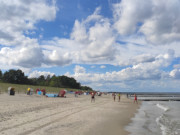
(39, 115)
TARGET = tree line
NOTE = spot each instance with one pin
(18, 77)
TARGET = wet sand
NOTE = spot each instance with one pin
(39, 115)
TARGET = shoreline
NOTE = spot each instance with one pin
(39, 115)
(120, 115)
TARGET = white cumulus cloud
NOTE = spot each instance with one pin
(175, 74)
(158, 21)
(36, 74)
(20, 16)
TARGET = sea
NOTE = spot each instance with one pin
(157, 115)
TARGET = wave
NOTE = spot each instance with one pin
(162, 107)
(167, 126)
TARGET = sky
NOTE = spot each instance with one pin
(108, 45)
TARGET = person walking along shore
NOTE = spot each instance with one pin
(135, 98)
(119, 96)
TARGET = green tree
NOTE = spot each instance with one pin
(32, 81)
(15, 76)
(41, 80)
(1, 75)
(69, 82)
(86, 88)
(48, 79)
(55, 81)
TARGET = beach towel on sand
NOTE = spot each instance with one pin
(52, 95)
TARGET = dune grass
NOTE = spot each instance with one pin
(23, 88)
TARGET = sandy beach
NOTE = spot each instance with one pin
(39, 115)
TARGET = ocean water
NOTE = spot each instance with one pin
(156, 118)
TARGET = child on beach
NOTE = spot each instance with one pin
(135, 98)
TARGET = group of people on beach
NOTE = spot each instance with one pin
(119, 97)
(114, 97)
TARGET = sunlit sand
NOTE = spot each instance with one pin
(39, 115)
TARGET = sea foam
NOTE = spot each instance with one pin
(162, 107)
(167, 126)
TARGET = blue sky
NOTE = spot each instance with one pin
(109, 45)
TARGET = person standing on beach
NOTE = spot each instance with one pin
(93, 97)
(135, 98)
(119, 95)
(114, 94)
(28, 91)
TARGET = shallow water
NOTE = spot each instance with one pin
(156, 118)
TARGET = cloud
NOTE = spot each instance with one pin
(26, 57)
(23, 17)
(158, 21)
(102, 66)
(32, 56)
(92, 41)
(118, 79)
(128, 13)
(36, 74)
(96, 39)
(143, 58)
(175, 74)
(16, 24)
(176, 66)
(79, 32)
(138, 75)
(79, 69)
(57, 58)
(138, 72)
